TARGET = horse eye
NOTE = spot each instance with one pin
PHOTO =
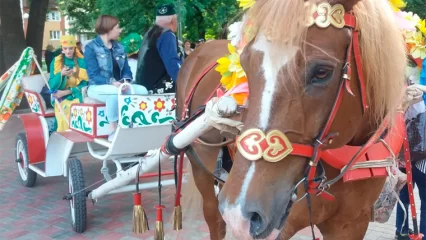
(321, 74)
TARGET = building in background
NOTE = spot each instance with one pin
(54, 27)
(56, 24)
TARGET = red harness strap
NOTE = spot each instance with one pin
(188, 99)
(407, 158)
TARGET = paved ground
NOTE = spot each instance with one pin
(40, 212)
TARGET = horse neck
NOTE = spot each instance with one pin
(365, 130)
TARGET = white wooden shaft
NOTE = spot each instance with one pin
(192, 132)
(125, 177)
(142, 186)
(198, 127)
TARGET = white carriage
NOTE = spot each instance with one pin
(145, 122)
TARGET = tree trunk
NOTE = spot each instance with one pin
(35, 30)
(224, 33)
(12, 40)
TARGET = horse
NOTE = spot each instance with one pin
(312, 88)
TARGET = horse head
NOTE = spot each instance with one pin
(305, 88)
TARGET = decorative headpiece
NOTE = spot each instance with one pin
(323, 15)
(132, 43)
(68, 41)
(165, 10)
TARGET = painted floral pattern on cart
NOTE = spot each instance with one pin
(34, 102)
(146, 110)
(102, 123)
(82, 118)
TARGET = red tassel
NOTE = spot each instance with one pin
(159, 228)
(177, 213)
(140, 222)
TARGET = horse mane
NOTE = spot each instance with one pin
(383, 53)
(382, 45)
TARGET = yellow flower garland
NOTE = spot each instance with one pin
(415, 40)
(397, 5)
(245, 4)
(232, 73)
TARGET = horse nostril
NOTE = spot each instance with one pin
(256, 224)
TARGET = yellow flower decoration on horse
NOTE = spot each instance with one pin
(233, 74)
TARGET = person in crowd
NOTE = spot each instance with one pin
(131, 44)
(108, 68)
(159, 63)
(80, 47)
(67, 78)
(200, 42)
(419, 180)
(48, 56)
(187, 48)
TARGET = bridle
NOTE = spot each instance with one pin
(275, 146)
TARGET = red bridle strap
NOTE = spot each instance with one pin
(324, 137)
(318, 187)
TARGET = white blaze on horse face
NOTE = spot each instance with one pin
(247, 179)
(233, 214)
(270, 69)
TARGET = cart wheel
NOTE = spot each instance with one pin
(78, 201)
(28, 176)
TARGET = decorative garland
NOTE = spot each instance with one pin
(246, 4)
(413, 29)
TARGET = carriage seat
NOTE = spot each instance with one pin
(86, 98)
(32, 86)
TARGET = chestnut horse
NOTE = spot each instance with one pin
(295, 73)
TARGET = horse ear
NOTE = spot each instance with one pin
(349, 4)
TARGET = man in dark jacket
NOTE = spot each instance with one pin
(159, 63)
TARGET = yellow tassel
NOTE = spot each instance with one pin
(177, 218)
(140, 222)
(159, 231)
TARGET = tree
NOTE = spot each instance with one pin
(12, 40)
(417, 6)
(207, 19)
(200, 18)
(35, 30)
(82, 14)
(135, 15)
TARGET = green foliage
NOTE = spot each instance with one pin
(135, 15)
(200, 18)
(417, 6)
(82, 14)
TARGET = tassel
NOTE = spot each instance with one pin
(177, 218)
(140, 221)
(177, 213)
(159, 228)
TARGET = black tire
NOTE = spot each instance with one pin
(28, 177)
(78, 209)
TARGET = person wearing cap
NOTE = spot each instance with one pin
(131, 44)
(67, 78)
(159, 63)
(200, 42)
